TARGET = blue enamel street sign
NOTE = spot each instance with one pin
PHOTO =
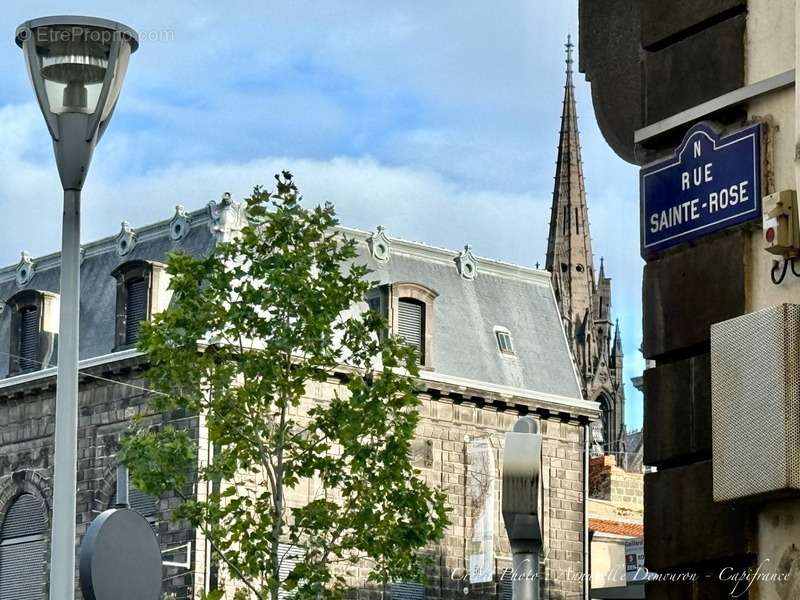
(709, 184)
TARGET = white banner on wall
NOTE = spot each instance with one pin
(481, 500)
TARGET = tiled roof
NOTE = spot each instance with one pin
(616, 527)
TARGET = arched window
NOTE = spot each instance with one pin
(412, 318)
(411, 324)
(22, 550)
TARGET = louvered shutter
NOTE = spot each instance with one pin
(289, 556)
(135, 308)
(145, 504)
(505, 587)
(411, 324)
(29, 338)
(402, 590)
(22, 550)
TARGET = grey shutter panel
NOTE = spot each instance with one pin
(135, 308)
(410, 324)
(505, 587)
(29, 338)
(25, 517)
(403, 590)
(289, 556)
(22, 550)
(145, 504)
(22, 571)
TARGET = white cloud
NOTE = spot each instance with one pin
(437, 120)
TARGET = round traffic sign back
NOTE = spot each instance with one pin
(120, 558)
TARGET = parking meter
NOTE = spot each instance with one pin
(522, 505)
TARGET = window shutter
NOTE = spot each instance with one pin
(135, 308)
(22, 550)
(411, 324)
(289, 556)
(29, 338)
(145, 504)
(505, 586)
(402, 590)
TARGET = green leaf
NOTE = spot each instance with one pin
(234, 404)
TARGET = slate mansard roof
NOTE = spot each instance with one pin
(469, 305)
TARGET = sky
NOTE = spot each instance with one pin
(438, 120)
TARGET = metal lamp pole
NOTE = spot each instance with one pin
(522, 505)
(76, 66)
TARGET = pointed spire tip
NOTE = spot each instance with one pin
(569, 46)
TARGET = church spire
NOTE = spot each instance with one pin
(617, 341)
(569, 251)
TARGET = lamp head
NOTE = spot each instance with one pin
(76, 66)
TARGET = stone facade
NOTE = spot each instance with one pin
(470, 391)
(448, 423)
(110, 395)
(677, 56)
(615, 509)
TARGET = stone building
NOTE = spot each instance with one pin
(583, 300)
(492, 348)
(657, 71)
(615, 511)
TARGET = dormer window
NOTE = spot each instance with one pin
(141, 292)
(504, 343)
(408, 308)
(34, 327)
(411, 318)
(136, 307)
(411, 324)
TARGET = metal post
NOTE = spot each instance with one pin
(122, 487)
(525, 573)
(62, 549)
(522, 505)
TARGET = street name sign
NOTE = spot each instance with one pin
(710, 183)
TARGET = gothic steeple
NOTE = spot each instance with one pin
(569, 247)
(584, 303)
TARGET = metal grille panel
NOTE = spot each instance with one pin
(410, 323)
(136, 309)
(29, 339)
(25, 517)
(403, 590)
(505, 587)
(22, 571)
(755, 379)
(22, 546)
(145, 504)
(290, 556)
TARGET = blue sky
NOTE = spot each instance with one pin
(437, 120)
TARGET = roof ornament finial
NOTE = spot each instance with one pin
(569, 46)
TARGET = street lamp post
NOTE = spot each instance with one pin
(76, 66)
(522, 506)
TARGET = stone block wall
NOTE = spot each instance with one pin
(27, 424)
(445, 429)
(609, 482)
(440, 452)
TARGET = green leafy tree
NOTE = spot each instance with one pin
(249, 329)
